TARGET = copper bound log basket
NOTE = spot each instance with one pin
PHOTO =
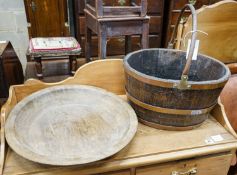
(160, 97)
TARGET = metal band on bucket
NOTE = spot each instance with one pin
(168, 110)
(166, 84)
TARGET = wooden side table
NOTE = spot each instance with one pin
(111, 21)
(39, 55)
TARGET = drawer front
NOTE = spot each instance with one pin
(116, 46)
(212, 165)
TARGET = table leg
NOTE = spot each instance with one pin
(38, 66)
(102, 42)
(128, 46)
(145, 36)
(88, 36)
(73, 64)
(28, 57)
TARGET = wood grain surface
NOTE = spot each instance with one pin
(149, 147)
(70, 124)
(152, 77)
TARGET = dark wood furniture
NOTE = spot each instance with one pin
(115, 45)
(112, 21)
(11, 72)
(172, 11)
(47, 18)
(38, 56)
(53, 71)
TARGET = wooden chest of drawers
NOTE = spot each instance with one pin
(115, 46)
(193, 166)
(206, 150)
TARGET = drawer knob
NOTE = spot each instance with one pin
(193, 2)
(192, 171)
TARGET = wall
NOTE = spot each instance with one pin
(13, 26)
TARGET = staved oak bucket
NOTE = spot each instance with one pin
(155, 90)
(169, 91)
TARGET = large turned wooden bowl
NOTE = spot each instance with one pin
(70, 124)
(155, 90)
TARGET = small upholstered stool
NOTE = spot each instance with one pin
(111, 21)
(52, 49)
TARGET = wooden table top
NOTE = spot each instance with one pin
(149, 146)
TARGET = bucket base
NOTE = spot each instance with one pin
(167, 121)
(170, 128)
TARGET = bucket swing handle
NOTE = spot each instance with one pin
(184, 78)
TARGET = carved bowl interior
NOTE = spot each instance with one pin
(70, 124)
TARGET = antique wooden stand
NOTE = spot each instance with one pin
(111, 21)
(38, 56)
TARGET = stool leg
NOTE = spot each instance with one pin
(145, 36)
(102, 42)
(88, 36)
(28, 57)
(128, 45)
(73, 64)
(38, 66)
